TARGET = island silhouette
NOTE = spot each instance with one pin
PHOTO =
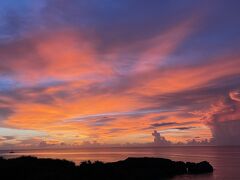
(132, 168)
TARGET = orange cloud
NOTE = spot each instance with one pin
(91, 85)
(184, 78)
(65, 55)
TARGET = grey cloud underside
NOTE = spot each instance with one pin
(5, 112)
(111, 115)
(196, 98)
(226, 133)
(184, 128)
(173, 125)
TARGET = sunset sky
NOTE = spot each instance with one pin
(113, 71)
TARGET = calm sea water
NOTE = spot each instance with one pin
(226, 160)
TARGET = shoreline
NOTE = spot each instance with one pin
(29, 167)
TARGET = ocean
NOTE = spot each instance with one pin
(225, 160)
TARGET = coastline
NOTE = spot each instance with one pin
(28, 167)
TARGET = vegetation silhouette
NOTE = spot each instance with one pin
(33, 168)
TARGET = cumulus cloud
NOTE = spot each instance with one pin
(225, 133)
(159, 140)
(223, 119)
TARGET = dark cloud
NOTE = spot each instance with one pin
(36, 93)
(159, 118)
(225, 133)
(102, 121)
(163, 124)
(6, 138)
(5, 112)
(184, 128)
(170, 124)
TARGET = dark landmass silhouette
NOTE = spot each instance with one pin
(33, 168)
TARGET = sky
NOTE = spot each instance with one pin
(119, 72)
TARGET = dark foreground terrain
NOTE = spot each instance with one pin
(132, 168)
